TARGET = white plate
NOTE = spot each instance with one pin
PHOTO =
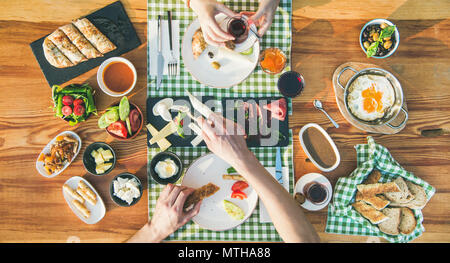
(307, 178)
(230, 73)
(97, 211)
(46, 150)
(209, 169)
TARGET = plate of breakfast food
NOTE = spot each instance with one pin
(227, 199)
(58, 154)
(219, 67)
(84, 200)
(81, 45)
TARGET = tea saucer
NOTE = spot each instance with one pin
(307, 178)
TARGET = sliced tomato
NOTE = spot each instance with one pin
(238, 194)
(118, 128)
(239, 186)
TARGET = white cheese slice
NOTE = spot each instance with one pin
(163, 144)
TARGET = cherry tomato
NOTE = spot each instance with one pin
(78, 110)
(78, 102)
(239, 186)
(118, 128)
(238, 194)
(66, 110)
(67, 100)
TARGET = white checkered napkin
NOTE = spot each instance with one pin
(342, 219)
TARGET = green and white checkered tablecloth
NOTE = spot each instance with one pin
(259, 84)
(342, 219)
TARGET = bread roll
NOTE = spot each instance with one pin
(377, 188)
(73, 193)
(80, 207)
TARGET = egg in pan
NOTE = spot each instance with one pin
(370, 96)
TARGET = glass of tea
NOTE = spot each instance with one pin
(116, 76)
(291, 84)
(315, 192)
(238, 27)
(272, 60)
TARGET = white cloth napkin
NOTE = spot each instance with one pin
(263, 214)
(153, 45)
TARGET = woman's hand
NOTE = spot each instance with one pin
(264, 16)
(206, 11)
(168, 215)
(225, 138)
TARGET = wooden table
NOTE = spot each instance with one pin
(325, 35)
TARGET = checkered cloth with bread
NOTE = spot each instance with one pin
(379, 198)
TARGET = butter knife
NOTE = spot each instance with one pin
(160, 59)
(278, 167)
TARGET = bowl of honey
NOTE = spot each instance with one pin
(272, 60)
(116, 76)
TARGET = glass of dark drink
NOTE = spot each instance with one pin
(291, 84)
(238, 28)
(315, 192)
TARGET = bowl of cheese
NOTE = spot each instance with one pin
(99, 158)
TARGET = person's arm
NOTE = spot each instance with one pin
(168, 215)
(287, 216)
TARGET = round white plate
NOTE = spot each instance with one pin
(48, 147)
(232, 70)
(209, 169)
(307, 178)
(97, 211)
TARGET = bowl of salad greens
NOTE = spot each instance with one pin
(379, 38)
(73, 103)
(122, 121)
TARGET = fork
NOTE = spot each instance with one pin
(173, 63)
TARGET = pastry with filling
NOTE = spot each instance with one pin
(54, 56)
(97, 38)
(80, 41)
(66, 47)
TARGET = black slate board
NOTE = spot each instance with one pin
(227, 109)
(112, 21)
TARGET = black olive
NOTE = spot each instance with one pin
(210, 54)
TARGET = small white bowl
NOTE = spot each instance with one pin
(102, 67)
(378, 22)
(330, 141)
(313, 177)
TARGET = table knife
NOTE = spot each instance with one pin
(160, 59)
(278, 167)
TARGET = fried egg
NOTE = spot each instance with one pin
(166, 168)
(370, 96)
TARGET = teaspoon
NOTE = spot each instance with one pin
(318, 105)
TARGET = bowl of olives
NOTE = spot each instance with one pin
(379, 38)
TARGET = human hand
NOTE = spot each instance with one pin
(225, 138)
(264, 16)
(169, 214)
(206, 11)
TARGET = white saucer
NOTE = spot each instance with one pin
(307, 178)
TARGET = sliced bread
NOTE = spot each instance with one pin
(402, 196)
(378, 188)
(420, 197)
(408, 221)
(373, 177)
(378, 202)
(369, 212)
(390, 226)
